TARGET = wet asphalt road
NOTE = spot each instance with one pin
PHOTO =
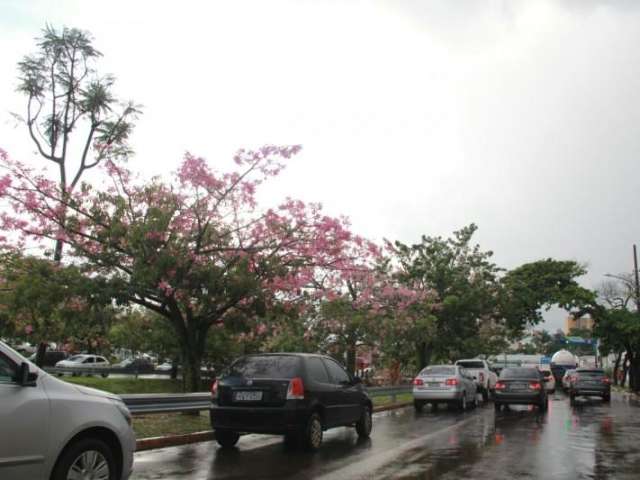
(589, 441)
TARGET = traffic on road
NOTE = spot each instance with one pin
(589, 440)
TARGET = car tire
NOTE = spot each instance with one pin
(418, 405)
(364, 425)
(312, 434)
(104, 375)
(434, 407)
(87, 453)
(497, 406)
(226, 438)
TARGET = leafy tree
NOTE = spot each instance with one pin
(533, 287)
(66, 97)
(195, 250)
(465, 284)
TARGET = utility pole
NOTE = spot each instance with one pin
(635, 273)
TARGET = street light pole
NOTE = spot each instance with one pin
(635, 273)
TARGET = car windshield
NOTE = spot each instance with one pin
(265, 366)
(76, 358)
(520, 373)
(470, 364)
(439, 370)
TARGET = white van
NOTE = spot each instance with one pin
(50, 429)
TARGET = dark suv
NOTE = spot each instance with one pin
(294, 394)
(590, 382)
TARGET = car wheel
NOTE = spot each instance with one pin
(227, 438)
(572, 399)
(104, 375)
(86, 458)
(364, 425)
(418, 405)
(312, 438)
(485, 395)
(434, 407)
(497, 406)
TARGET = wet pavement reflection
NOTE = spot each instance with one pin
(591, 440)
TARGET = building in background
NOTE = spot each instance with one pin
(582, 323)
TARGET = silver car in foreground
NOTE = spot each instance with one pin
(448, 384)
(53, 430)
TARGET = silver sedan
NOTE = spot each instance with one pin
(448, 384)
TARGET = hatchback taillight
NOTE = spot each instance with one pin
(534, 385)
(418, 381)
(500, 386)
(452, 381)
(214, 390)
(296, 389)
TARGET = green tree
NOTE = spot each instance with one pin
(66, 97)
(465, 283)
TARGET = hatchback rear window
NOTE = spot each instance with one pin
(517, 373)
(438, 371)
(267, 366)
(470, 364)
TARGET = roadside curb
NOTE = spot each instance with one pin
(207, 435)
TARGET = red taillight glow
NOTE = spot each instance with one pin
(296, 389)
(534, 386)
(214, 389)
(500, 386)
(418, 381)
(452, 381)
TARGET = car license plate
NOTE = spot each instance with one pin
(434, 384)
(519, 386)
(247, 396)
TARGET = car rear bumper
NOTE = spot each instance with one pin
(590, 391)
(272, 420)
(444, 395)
(517, 398)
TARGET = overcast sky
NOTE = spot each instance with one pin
(416, 116)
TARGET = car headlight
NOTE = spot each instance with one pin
(123, 410)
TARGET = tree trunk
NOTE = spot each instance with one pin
(351, 356)
(616, 368)
(424, 355)
(191, 370)
(634, 372)
(57, 253)
(625, 369)
(40, 354)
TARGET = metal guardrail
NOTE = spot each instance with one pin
(192, 402)
(106, 371)
(167, 402)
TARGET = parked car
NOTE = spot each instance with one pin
(482, 373)
(164, 367)
(51, 358)
(297, 395)
(520, 386)
(590, 382)
(85, 362)
(549, 379)
(450, 384)
(566, 379)
(135, 365)
(57, 429)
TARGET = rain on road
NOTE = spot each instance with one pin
(589, 441)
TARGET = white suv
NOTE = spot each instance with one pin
(54, 430)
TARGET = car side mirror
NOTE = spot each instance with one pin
(25, 377)
(356, 380)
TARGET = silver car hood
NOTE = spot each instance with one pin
(94, 392)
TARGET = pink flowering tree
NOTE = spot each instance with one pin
(196, 250)
(358, 300)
